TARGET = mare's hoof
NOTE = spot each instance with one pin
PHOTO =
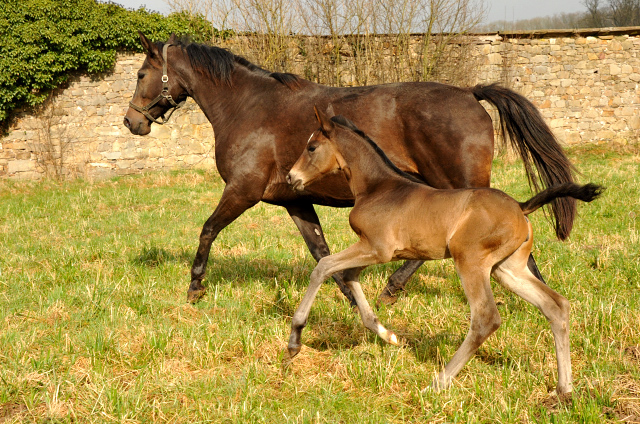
(194, 295)
(386, 298)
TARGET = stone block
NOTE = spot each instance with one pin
(614, 69)
(112, 155)
(16, 166)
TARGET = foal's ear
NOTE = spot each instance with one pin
(173, 39)
(325, 121)
(149, 47)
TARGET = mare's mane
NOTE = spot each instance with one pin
(341, 120)
(218, 63)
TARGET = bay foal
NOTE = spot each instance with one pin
(396, 216)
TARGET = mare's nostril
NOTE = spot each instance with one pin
(126, 122)
(288, 178)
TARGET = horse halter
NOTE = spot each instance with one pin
(164, 94)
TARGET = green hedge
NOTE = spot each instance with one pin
(43, 41)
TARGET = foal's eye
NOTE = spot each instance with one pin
(311, 149)
(140, 76)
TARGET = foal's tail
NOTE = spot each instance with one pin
(532, 138)
(586, 193)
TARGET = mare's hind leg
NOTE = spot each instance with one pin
(230, 207)
(485, 319)
(514, 274)
(306, 219)
(397, 282)
(399, 279)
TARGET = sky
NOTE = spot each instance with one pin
(509, 10)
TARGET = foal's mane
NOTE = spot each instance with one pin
(218, 63)
(341, 120)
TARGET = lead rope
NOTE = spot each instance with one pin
(164, 94)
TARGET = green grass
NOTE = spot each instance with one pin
(94, 326)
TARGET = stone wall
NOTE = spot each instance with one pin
(584, 82)
(84, 120)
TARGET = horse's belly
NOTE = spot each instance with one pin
(425, 253)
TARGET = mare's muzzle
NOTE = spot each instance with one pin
(164, 95)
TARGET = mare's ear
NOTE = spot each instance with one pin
(325, 121)
(149, 47)
(173, 39)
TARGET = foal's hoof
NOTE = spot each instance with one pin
(293, 351)
(194, 295)
(393, 339)
(562, 397)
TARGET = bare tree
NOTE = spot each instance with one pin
(594, 18)
(625, 12)
(346, 42)
(54, 143)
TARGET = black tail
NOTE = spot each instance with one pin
(586, 193)
(523, 125)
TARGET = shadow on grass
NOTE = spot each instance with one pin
(237, 269)
(152, 256)
(429, 349)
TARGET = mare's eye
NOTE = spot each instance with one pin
(140, 76)
(311, 149)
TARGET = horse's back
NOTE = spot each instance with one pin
(436, 131)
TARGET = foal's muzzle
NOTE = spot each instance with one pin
(295, 182)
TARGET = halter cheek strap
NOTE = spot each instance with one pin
(164, 95)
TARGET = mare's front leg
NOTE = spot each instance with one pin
(359, 255)
(306, 219)
(232, 204)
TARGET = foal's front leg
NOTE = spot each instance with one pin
(369, 318)
(359, 255)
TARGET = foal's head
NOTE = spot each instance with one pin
(321, 155)
(157, 91)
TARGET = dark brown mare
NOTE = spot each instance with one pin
(397, 216)
(438, 133)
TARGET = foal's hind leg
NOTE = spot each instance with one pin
(514, 274)
(485, 319)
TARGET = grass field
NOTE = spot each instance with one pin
(94, 326)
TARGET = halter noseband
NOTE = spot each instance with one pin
(164, 94)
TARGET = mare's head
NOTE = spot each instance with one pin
(321, 155)
(158, 90)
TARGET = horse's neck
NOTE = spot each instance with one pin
(367, 169)
(221, 102)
